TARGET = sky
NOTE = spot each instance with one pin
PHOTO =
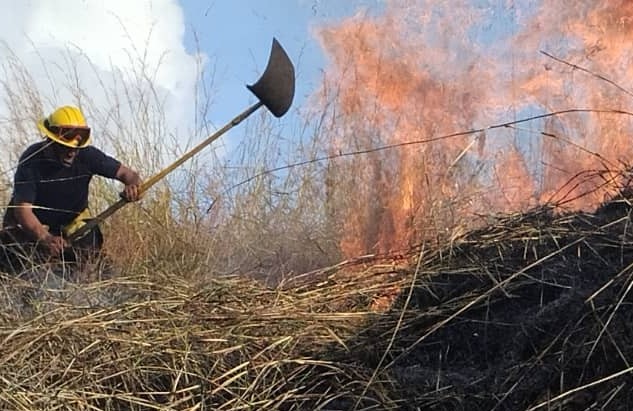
(237, 34)
(100, 46)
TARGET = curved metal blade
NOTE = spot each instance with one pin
(276, 87)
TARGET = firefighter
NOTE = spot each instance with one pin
(51, 186)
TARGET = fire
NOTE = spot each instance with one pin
(426, 69)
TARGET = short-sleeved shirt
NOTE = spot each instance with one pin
(58, 193)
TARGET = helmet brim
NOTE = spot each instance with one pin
(72, 144)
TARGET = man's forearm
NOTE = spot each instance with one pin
(128, 176)
(29, 222)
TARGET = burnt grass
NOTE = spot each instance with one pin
(531, 312)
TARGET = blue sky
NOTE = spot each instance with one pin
(236, 36)
(116, 51)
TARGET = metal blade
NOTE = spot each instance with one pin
(276, 87)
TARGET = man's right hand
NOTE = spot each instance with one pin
(54, 244)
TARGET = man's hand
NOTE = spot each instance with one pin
(54, 244)
(23, 213)
(131, 192)
(132, 181)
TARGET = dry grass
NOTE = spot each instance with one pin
(530, 312)
(247, 306)
(229, 343)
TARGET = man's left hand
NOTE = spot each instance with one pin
(132, 192)
(132, 181)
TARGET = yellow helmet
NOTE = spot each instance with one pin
(66, 126)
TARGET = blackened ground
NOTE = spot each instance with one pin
(529, 313)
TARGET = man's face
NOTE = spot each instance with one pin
(65, 155)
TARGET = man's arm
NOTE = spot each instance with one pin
(32, 226)
(132, 182)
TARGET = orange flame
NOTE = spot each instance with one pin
(425, 69)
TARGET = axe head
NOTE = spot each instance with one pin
(276, 86)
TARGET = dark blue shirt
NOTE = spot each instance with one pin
(58, 193)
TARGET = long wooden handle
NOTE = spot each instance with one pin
(92, 223)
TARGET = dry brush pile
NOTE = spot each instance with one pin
(530, 312)
(171, 344)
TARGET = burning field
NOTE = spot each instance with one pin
(477, 189)
(532, 311)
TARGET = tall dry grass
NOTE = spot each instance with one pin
(212, 206)
(197, 314)
(227, 293)
(233, 288)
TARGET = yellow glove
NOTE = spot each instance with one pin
(78, 222)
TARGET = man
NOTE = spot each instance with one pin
(51, 184)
